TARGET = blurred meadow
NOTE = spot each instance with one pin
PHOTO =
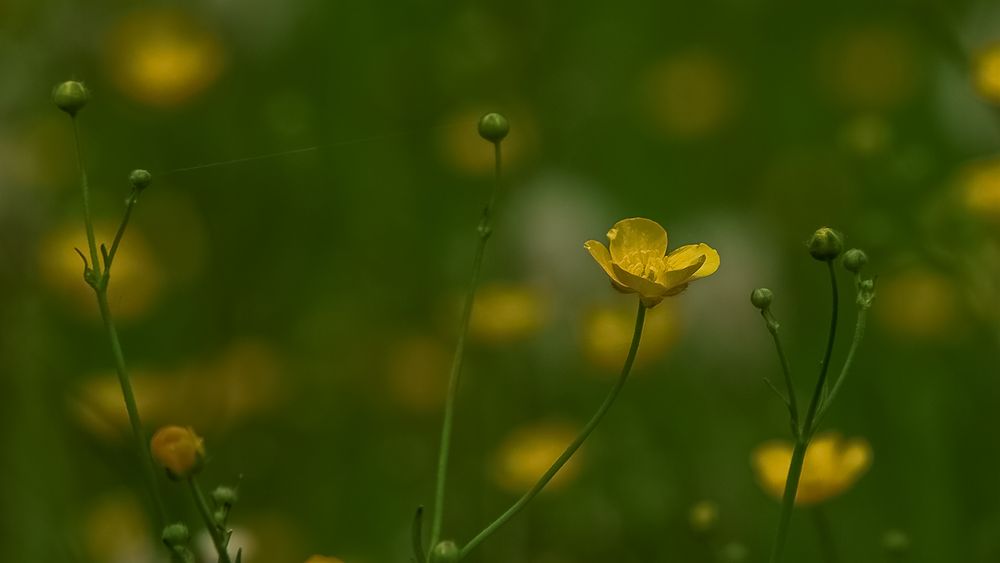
(290, 283)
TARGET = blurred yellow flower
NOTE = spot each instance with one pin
(832, 466)
(466, 152)
(505, 313)
(529, 451)
(870, 67)
(135, 280)
(179, 450)
(116, 529)
(690, 94)
(637, 261)
(607, 334)
(986, 73)
(417, 372)
(163, 57)
(979, 185)
(918, 303)
(323, 559)
(243, 380)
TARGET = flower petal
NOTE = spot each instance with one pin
(603, 257)
(639, 284)
(690, 252)
(670, 279)
(637, 236)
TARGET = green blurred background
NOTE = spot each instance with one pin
(300, 310)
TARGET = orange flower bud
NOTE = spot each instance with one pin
(179, 450)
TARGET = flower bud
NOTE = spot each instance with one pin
(855, 260)
(444, 552)
(179, 450)
(223, 495)
(704, 516)
(70, 96)
(140, 179)
(761, 298)
(493, 127)
(220, 517)
(323, 559)
(826, 244)
(176, 534)
(896, 542)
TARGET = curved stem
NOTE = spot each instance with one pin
(485, 230)
(130, 405)
(217, 533)
(805, 431)
(573, 447)
(793, 408)
(808, 425)
(859, 334)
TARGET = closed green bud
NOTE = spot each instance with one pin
(140, 179)
(176, 534)
(223, 495)
(826, 244)
(444, 552)
(761, 298)
(493, 127)
(70, 96)
(855, 260)
(220, 516)
(896, 542)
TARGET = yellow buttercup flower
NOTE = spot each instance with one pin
(832, 466)
(179, 450)
(637, 261)
(505, 313)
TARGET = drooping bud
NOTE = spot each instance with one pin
(140, 179)
(493, 127)
(826, 244)
(70, 96)
(176, 535)
(761, 298)
(855, 260)
(444, 552)
(179, 450)
(224, 496)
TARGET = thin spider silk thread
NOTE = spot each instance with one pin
(313, 148)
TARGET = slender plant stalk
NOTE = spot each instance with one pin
(859, 334)
(214, 530)
(98, 280)
(806, 431)
(792, 398)
(825, 533)
(485, 230)
(573, 447)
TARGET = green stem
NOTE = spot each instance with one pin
(217, 533)
(806, 430)
(793, 408)
(130, 405)
(825, 533)
(859, 334)
(129, 204)
(788, 500)
(85, 189)
(573, 447)
(485, 230)
(808, 425)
